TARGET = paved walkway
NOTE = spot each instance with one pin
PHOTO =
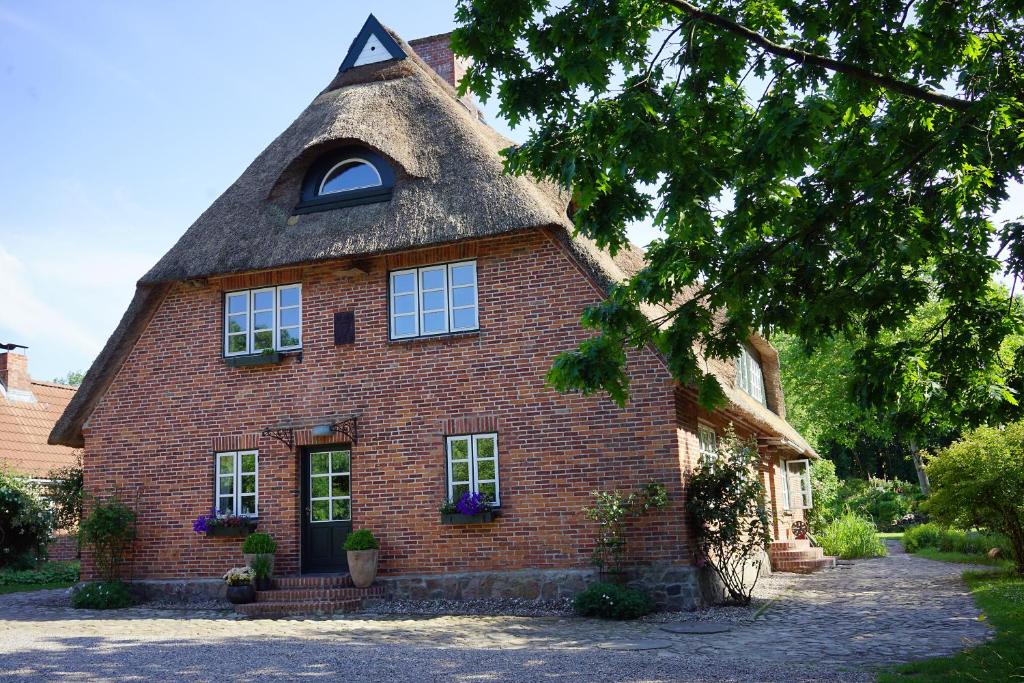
(829, 626)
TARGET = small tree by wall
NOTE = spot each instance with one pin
(109, 530)
(979, 481)
(611, 510)
(66, 492)
(726, 504)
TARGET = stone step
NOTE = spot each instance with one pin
(804, 566)
(792, 544)
(315, 581)
(314, 594)
(789, 555)
(268, 610)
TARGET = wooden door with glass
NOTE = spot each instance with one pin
(326, 508)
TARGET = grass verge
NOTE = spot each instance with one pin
(46, 575)
(892, 535)
(1000, 596)
(25, 587)
(963, 558)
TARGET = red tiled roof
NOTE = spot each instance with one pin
(24, 427)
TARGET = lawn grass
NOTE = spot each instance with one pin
(963, 558)
(45, 575)
(893, 535)
(1000, 596)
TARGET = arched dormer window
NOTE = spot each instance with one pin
(346, 177)
(749, 376)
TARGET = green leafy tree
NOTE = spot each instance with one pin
(612, 510)
(25, 522)
(979, 481)
(818, 168)
(66, 491)
(725, 502)
(825, 487)
(72, 379)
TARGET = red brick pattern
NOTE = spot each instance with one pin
(175, 402)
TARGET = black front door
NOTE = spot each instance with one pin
(326, 507)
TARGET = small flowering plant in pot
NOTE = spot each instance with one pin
(361, 548)
(239, 581)
(471, 508)
(227, 525)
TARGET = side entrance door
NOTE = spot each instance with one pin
(326, 508)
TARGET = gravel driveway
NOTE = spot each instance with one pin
(834, 625)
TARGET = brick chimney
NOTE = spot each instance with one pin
(436, 51)
(14, 375)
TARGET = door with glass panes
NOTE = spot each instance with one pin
(326, 508)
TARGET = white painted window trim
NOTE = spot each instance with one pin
(787, 504)
(330, 497)
(448, 299)
(423, 291)
(804, 474)
(750, 375)
(474, 479)
(250, 298)
(707, 454)
(320, 190)
(236, 491)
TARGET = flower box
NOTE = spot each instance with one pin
(254, 359)
(232, 529)
(478, 518)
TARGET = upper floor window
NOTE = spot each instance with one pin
(749, 377)
(708, 443)
(433, 300)
(346, 177)
(266, 319)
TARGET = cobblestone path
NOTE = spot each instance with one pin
(834, 625)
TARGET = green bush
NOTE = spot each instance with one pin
(611, 601)
(979, 482)
(103, 595)
(259, 544)
(954, 540)
(110, 530)
(49, 572)
(890, 503)
(361, 539)
(825, 486)
(25, 523)
(261, 566)
(66, 492)
(850, 537)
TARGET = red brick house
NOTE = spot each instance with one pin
(359, 328)
(28, 410)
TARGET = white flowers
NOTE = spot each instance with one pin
(239, 576)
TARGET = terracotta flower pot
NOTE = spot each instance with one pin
(240, 595)
(362, 565)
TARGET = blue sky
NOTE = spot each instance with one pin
(122, 121)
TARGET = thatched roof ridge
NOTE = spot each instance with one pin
(449, 186)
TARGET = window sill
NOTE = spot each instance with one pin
(458, 518)
(449, 337)
(257, 359)
(234, 531)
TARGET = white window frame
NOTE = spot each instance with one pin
(750, 375)
(474, 479)
(803, 473)
(704, 430)
(320, 190)
(236, 491)
(449, 300)
(250, 295)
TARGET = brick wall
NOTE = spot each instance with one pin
(175, 402)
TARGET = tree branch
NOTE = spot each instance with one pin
(803, 57)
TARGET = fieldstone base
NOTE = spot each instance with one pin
(183, 590)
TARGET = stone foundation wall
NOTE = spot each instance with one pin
(184, 591)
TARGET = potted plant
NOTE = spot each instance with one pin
(265, 357)
(262, 567)
(471, 508)
(257, 545)
(228, 525)
(239, 581)
(362, 547)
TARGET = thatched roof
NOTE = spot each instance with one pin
(449, 186)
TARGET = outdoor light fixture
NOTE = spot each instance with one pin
(323, 430)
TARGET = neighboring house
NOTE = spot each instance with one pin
(360, 327)
(28, 410)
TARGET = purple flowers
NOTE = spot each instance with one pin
(472, 504)
(204, 522)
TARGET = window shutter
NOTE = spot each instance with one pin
(344, 328)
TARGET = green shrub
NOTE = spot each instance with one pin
(25, 523)
(979, 482)
(103, 595)
(954, 540)
(825, 486)
(110, 530)
(66, 492)
(611, 511)
(259, 544)
(611, 601)
(851, 537)
(49, 572)
(261, 566)
(361, 539)
(890, 503)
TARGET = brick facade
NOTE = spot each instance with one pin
(175, 402)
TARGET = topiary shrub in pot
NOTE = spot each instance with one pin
(361, 547)
(259, 545)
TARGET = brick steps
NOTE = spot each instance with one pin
(309, 596)
(798, 556)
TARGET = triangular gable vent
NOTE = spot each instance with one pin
(372, 45)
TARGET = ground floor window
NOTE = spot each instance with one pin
(473, 466)
(236, 483)
(708, 443)
(796, 484)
